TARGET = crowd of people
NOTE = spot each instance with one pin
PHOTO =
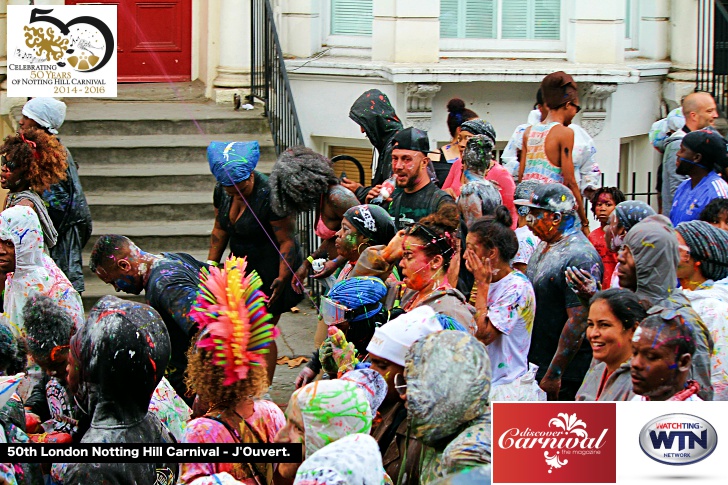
(454, 280)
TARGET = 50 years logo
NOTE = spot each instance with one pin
(678, 439)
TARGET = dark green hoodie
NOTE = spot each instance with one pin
(375, 114)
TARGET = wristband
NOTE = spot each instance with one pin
(212, 263)
(310, 259)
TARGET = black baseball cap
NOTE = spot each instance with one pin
(710, 144)
(550, 197)
(412, 139)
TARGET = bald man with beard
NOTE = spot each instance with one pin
(700, 111)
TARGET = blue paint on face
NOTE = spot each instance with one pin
(126, 284)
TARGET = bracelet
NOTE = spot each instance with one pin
(310, 259)
(212, 263)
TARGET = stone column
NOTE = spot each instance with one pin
(654, 26)
(233, 71)
(406, 31)
(300, 29)
(596, 32)
(684, 33)
(419, 106)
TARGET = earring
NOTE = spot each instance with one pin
(358, 249)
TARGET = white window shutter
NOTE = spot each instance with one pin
(516, 19)
(468, 19)
(547, 20)
(351, 17)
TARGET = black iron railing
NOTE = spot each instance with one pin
(269, 80)
(712, 55)
(269, 83)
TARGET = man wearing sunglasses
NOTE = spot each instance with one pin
(548, 156)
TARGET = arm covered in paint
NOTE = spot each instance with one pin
(567, 170)
(284, 233)
(569, 343)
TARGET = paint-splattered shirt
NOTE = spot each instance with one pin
(553, 296)
(172, 290)
(527, 242)
(406, 209)
(511, 309)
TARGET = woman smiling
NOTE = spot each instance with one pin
(613, 317)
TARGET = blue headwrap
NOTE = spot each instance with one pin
(356, 292)
(234, 160)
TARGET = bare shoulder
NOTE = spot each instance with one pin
(341, 198)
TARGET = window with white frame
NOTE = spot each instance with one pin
(501, 19)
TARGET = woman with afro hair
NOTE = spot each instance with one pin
(32, 161)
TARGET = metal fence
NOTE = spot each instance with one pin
(712, 54)
(269, 83)
(628, 184)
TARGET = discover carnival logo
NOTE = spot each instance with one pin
(678, 439)
(573, 444)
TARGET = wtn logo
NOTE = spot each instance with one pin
(665, 439)
(678, 439)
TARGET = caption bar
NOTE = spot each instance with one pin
(151, 453)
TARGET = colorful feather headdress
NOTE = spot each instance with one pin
(232, 314)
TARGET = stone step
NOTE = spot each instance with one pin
(152, 149)
(162, 118)
(151, 206)
(157, 236)
(182, 177)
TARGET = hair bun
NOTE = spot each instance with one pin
(455, 105)
(503, 216)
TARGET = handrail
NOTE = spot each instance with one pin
(269, 80)
(712, 56)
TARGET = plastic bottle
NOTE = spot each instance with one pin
(385, 191)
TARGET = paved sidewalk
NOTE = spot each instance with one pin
(296, 339)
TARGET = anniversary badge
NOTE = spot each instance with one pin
(64, 51)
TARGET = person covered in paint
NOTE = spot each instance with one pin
(505, 305)
(302, 180)
(586, 168)
(425, 252)
(334, 464)
(477, 195)
(48, 335)
(614, 315)
(376, 118)
(560, 319)
(716, 213)
(415, 195)
(550, 160)
(246, 223)
(648, 266)
(447, 383)
(29, 270)
(229, 388)
(527, 240)
(703, 275)
(32, 161)
(700, 157)
(66, 201)
(604, 201)
(323, 412)
(387, 350)
(662, 350)
(362, 226)
(170, 284)
(353, 306)
(116, 361)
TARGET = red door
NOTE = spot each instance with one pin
(155, 39)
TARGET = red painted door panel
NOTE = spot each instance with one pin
(155, 39)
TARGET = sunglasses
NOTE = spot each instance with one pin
(578, 108)
(400, 384)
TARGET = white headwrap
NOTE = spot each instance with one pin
(352, 460)
(47, 112)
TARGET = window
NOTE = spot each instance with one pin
(351, 17)
(631, 23)
(501, 19)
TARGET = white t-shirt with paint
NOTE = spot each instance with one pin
(511, 309)
(527, 242)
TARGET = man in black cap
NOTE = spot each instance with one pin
(702, 153)
(557, 344)
(415, 195)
